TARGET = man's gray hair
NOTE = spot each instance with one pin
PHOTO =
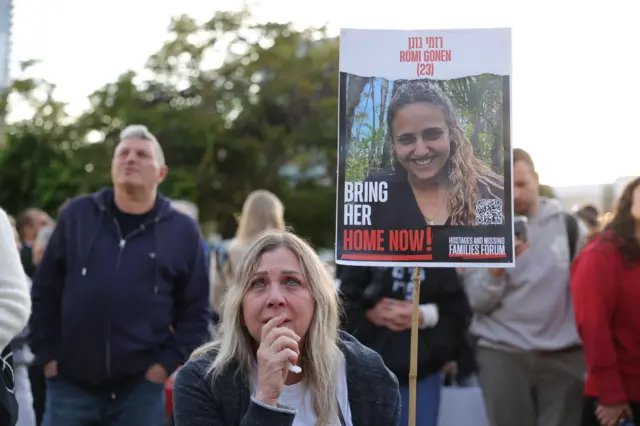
(139, 131)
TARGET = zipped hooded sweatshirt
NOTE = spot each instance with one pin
(529, 308)
(107, 306)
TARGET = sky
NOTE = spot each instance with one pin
(574, 94)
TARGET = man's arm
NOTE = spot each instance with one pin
(15, 302)
(484, 289)
(191, 309)
(46, 294)
(22, 339)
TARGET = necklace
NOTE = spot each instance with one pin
(432, 221)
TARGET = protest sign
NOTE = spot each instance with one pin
(424, 149)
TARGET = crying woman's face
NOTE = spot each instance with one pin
(421, 140)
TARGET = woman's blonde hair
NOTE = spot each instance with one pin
(262, 211)
(466, 171)
(320, 352)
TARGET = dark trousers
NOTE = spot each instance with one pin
(532, 388)
(69, 405)
(589, 412)
(38, 390)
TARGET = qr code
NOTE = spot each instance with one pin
(489, 211)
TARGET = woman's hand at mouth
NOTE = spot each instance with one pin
(278, 346)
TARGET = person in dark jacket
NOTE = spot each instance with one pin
(590, 216)
(378, 310)
(120, 298)
(28, 225)
(462, 371)
(282, 313)
(36, 374)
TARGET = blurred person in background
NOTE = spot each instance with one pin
(378, 312)
(590, 216)
(186, 207)
(40, 243)
(28, 224)
(21, 358)
(262, 211)
(15, 306)
(36, 374)
(120, 297)
(462, 370)
(606, 289)
(191, 210)
(531, 363)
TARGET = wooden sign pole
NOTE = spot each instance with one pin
(413, 366)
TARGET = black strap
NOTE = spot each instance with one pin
(8, 402)
(572, 234)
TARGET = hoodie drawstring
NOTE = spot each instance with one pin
(87, 254)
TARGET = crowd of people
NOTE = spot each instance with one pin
(125, 293)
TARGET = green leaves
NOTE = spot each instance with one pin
(233, 104)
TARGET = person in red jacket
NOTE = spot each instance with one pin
(605, 286)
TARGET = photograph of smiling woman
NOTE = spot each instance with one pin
(433, 162)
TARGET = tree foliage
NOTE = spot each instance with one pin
(263, 116)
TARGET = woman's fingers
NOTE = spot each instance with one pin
(285, 342)
(275, 333)
(270, 325)
(277, 347)
(286, 355)
(279, 358)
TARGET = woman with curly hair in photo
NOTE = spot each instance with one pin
(436, 177)
(605, 286)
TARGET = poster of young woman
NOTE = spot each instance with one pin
(424, 149)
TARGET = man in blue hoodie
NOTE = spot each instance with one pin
(120, 298)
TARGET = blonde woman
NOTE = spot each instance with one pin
(262, 211)
(282, 312)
